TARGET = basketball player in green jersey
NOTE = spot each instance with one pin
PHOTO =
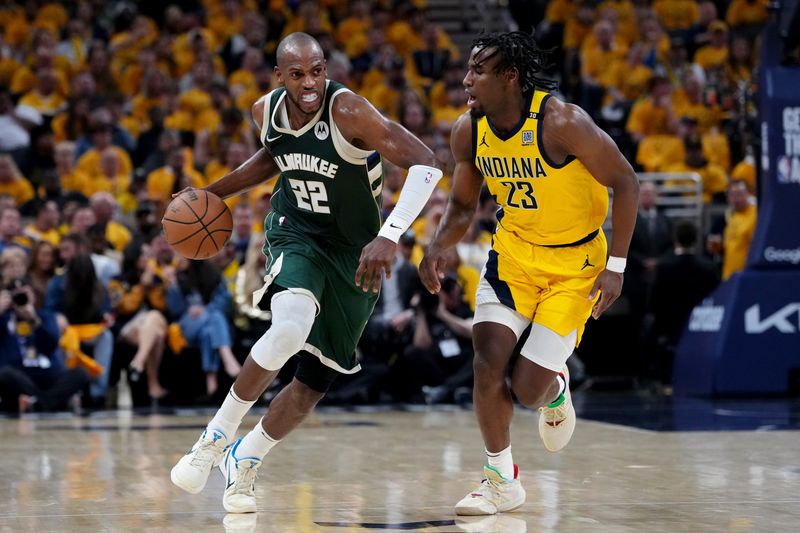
(327, 144)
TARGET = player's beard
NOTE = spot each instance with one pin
(476, 113)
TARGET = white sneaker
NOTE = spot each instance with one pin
(240, 480)
(191, 472)
(240, 523)
(556, 424)
(495, 494)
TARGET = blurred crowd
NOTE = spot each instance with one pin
(107, 108)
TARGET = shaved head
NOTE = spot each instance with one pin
(301, 71)
(297, 45)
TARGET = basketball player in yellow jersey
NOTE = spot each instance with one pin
(548, 166)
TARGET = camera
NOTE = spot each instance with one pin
(18, 295)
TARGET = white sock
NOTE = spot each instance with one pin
(503, 462)
(230, 415)
(256, 443)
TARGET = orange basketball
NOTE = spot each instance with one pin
(197, 224)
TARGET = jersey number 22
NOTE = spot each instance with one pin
(311, 195)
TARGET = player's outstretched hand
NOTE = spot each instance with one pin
(187, 189)
(609, 284)
(431, 271)
(376, 256)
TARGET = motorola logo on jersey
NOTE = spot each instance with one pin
(321, 131)
(306, 162)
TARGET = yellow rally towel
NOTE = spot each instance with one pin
(71, 344)
(175, 338)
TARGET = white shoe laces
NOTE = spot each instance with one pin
(490, 490)
(555, 415)
(245, 480)
(204, 455)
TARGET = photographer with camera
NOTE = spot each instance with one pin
(32, 373)
(439, 359)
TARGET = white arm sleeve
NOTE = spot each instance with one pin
(416, 190)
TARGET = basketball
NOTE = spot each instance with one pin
(197, 223)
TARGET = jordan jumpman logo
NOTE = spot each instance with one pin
(483, 141)
(586, 263)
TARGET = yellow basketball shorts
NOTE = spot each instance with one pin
(549, 286)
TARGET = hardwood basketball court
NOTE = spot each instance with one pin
(737, 469)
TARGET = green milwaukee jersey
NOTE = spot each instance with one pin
(327, 189)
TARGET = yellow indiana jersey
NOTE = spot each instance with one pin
(540, 202)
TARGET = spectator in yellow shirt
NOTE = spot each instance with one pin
(387, 95)
(676, 14)
(429, 61)
(559, 11)
(444, 117)
(743, 13)
(75, 47)
(715, 180)
(739, 230)
(745, 170)
(629, 76)
(24, 79)
(689, 101)
(70, 178)
(714, 54)
(625, 21)
(44, 226)
(658, 152)
(233, 128)
(453, 75)
(11, 229)
(45, 97)
(595, 60)
(234, 156)
(226, 20)
(89, 163)
(104, 207)
(579, 26)
(357, 23)
(162, 183)
(653, 115)
(12, 182)
(113, 180)
(244, 78)
(655, 39)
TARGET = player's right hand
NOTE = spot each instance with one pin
(431, 271)
(187, 189)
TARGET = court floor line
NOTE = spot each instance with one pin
(448, 508)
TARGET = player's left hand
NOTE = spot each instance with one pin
(609, 284)
(377, 256)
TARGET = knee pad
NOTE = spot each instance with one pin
(293, 316)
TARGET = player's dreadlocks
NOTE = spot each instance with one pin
(519, 51)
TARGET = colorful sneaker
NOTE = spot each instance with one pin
(240, 480)
(191, 472)
(557, 420)
(495, 494)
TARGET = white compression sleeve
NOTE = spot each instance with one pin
(416, 190)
